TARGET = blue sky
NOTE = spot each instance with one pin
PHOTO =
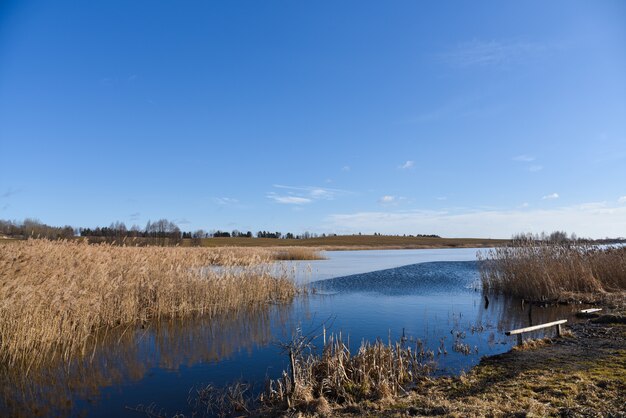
(460, 118)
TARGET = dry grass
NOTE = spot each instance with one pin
(583, 376)
(296, 253)
(550, 272)
(55, 296)
(376, 371)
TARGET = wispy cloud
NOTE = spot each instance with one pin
(589, 220)
(524, 158)
(622, 200)
(391, 200)
(289, 200)
(134, 216)
(465, 107)
(345, 168)
(301, 195)
(499, 53)
(225, 201)
(407, 165)
(108, 81)
(551, 196)
(182, 221)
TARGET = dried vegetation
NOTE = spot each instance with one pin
(336, 376)
(540, 272)
(57, 296)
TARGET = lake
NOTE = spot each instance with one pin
(429, 295)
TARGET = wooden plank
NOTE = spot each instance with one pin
(536, 327)
(591, 310)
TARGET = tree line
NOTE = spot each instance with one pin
(562, 237)
(32, 228)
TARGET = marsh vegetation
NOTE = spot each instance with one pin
(539, 271)
(57, 296)
(150, 323)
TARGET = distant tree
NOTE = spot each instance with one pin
(558, 237)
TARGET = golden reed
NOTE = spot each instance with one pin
(56, 295)
(541, 271)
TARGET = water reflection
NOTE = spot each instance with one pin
(127, 354)
(437, 304)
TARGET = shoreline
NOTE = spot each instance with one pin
(335, 243)
(580, 374)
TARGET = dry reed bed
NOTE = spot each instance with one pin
(551, 271)
(376, 371)
(56, 295)
(296, 253)
(317, 382)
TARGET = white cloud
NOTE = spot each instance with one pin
(289, 200)
(535, 168)
(551, 196)
(590, 220)
(320, 193)
(224, 201)
(297, 195)
(525, 205)
(622, 199)
(345, 168)
(407, 165)
(387, 199)
(524, 158)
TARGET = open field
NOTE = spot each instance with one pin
(541, 272)
(347, 242)
(340, 242)
(56, 295)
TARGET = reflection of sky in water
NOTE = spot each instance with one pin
(159, 365)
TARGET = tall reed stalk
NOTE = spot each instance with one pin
(541, 271)
(376, 370)
(56, 295)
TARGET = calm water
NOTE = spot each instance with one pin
(438, 302)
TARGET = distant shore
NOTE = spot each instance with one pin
(350, 242)
(329, 243)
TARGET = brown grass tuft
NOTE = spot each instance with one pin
(376, 371)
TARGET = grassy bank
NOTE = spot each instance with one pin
(57, 295)
(581, 374)
(554, 271)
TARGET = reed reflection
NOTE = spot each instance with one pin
(126, 354)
